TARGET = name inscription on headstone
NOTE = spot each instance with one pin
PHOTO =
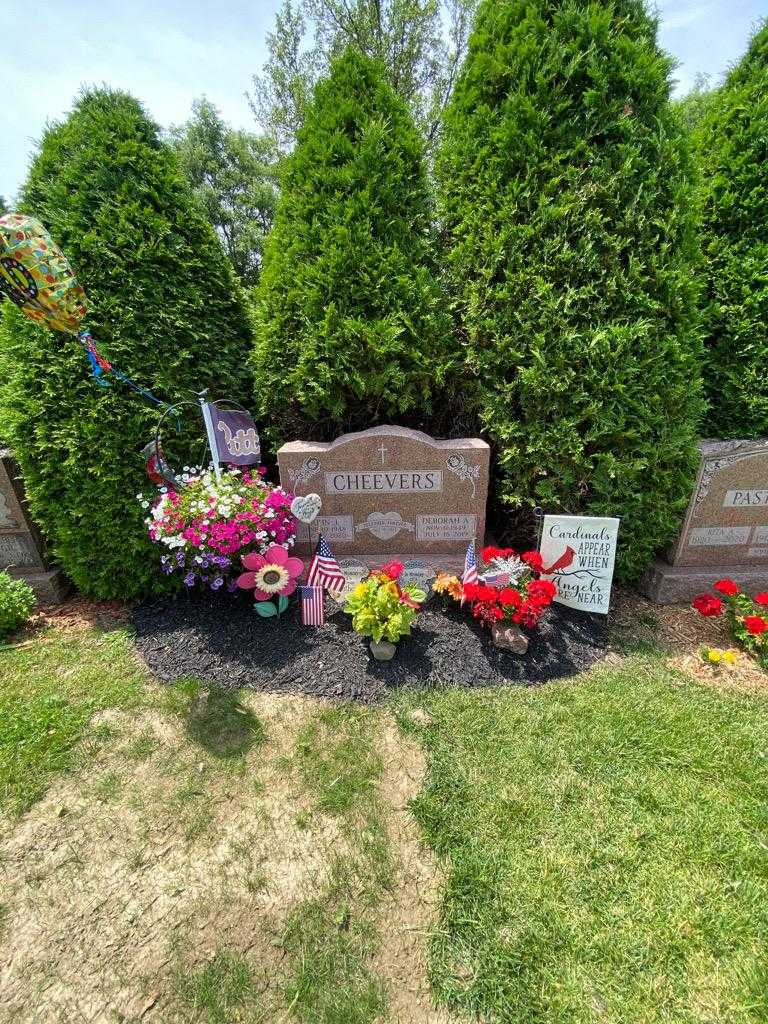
(390, 492)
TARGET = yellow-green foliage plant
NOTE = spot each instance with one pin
(566, 194)
(163, 307)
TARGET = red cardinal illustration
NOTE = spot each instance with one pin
(562, 562)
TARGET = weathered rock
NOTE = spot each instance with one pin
(509, 638)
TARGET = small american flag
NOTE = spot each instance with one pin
(324, 569)
(470, 565)
(496, 579)
(312, 605)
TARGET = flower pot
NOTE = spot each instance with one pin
(383, 650)
(508, 637)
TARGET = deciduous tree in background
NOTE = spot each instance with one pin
(351, 327)
(732, 140)
(165, 308)
(420, 44)
(566, 193)
(234, 173)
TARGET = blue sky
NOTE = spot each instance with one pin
(167, 52)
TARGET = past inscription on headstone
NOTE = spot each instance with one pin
(390, 492)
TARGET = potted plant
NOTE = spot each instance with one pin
(213, 529)
(383, 610)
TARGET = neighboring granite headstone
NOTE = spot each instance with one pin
(390, 492)
(725, 530)
(22, 551)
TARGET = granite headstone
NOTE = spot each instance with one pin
(725, 530)
(22, 550)
(391, 492)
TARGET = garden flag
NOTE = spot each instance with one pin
(324, 569)
(312, 605)
(236, 437)
(578, 553)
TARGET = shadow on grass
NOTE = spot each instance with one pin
(218, 721)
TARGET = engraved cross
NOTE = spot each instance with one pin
(383, 451)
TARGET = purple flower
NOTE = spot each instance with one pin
(167, 568)
(217, 582)
(232, 586)
(180, 557)
(189, 579)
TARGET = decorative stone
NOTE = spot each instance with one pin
(420, 573)
(509, 637)
(383, 650)
(391, 493)
(725, 530)
(354, 572)
(22, 550)
(306, 507)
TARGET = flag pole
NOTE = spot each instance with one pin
(206, 411)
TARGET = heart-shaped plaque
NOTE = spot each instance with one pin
(306, 507)
(385, 525)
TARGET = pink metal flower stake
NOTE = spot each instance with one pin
(272, 577)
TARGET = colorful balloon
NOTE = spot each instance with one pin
(35, 274)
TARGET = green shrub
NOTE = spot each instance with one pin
(164, 307)
(733, 145)
(16, 603)
(565, 187)
(351, 328)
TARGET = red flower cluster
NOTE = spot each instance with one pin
(727, 587)
(392, 570)
(755, 624)
(707, 605)
(489, 605)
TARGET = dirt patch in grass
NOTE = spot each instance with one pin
(110, 887)
(155, 883)
(410, 909)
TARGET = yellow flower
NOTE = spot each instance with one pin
(714, 655)
(359, 590)
(729, 657)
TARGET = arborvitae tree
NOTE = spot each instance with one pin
(163, 306)
(733, 146)
(350, 321)
(565, 189)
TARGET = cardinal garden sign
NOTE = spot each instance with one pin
(579, 554)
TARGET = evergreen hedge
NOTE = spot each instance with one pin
(164, 307)
(351, 324)
(566, 189)
(733, 146)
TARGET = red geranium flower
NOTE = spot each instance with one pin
(510, 597)
(471, 591)
(542, 591)
(707, 605)
(727, 587)
(761, 598)
(755, 624)
(534, 559)
(392, 569)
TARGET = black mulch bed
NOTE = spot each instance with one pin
(220, 639)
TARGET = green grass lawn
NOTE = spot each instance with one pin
(606, 848)
(604, 840)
